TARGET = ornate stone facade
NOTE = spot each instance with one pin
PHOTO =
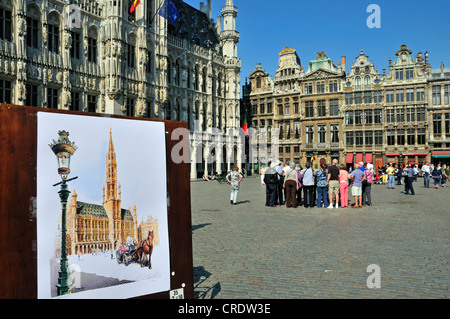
(357, 116)
(96, 56)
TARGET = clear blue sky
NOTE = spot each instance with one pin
(339, 28)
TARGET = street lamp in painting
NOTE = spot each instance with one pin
(63, 149)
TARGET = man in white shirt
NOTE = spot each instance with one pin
(426, 175)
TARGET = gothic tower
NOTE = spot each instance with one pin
(229, 36)
(112, 195)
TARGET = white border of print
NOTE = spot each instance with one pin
(141, 164)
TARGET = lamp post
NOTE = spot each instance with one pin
(63, 149)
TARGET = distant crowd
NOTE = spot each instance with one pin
(329, 186)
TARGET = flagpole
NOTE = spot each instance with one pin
(160, 5)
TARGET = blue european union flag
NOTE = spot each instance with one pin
(169, 11)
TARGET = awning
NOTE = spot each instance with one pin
(392, 155)
(440, 154)
(359, 157)
(369, 157)
(416, 154)
(349, 158)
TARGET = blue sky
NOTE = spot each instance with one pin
(339, 28)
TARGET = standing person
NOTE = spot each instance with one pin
(333, 183)
(367, 190)
(399, 174)
(262, 170)
(271, 182)
(357, 177)
(281, 176)
(286, 169)
(444, 175)
(298, 168)
(390, 171)
(344, 176)
(437, 176)
(409, 177)
(308, 185)
(447, 172)
(385, 176)
(291, 186)
(321, 178)
(234, 178)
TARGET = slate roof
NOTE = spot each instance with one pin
(86, 209)
(193, 25)
(126, 214)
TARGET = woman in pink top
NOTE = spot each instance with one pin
(344, 176)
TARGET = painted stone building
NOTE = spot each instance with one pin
(405, 103)
(439, 114)
(398, 116)
(101, 227)
(96, 56)
(363, 113)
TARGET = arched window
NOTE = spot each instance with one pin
(177, 72)
(131, 51)
(204, 78)
(367, 81)
(34, 31)
(169, 71)
(258, 82)
(196, 77)
(53, 32)
(92, 45)
(6, 22)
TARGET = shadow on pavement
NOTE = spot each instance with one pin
(202, 288)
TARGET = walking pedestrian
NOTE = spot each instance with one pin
(291, 186)
(344, 176)
(333, 183)
(367, 189)
(437, 177)
(391, 177)
(271, 182)
(409, 177)
(308, 185)
(357, 177)
(321, 178)
(234, 179)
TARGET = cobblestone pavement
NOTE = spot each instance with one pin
(253, 251)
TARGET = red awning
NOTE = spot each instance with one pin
(349, 158)
(369, 157)
(392, 155)
(416, 154)
(359, 157)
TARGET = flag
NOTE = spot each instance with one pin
(245, 126)
(134, 5)
(169, 11)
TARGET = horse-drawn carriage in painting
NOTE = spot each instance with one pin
(136, 252)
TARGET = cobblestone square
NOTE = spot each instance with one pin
(250, 251)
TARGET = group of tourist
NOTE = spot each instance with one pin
(408, 173)
(328, 186)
